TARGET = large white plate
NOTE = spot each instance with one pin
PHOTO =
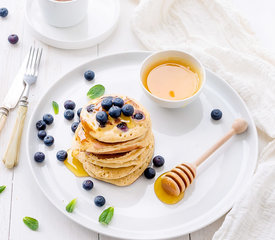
(181, 135)
(101, 20)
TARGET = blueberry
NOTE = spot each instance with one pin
(61, 155)
(39, 157)
(102, 117)
(48, 119)
(89, 75)
(88, 184)
(69, 114)
(107, 103)
(3, 12)
(79, 111)
(123, 126)
(115, 111)
(69, 104)
(90, 108)
(99, 201)
(138, 116)
(127, 110)
(149, 173)
(13, 38)
(74, 126)
(42, 134)
(49, 140)
(216, 114)
(118, 102)
(158, 161)
(41, 125)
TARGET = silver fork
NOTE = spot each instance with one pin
(11, 156)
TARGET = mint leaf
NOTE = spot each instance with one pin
(2, 188)
(96, 91)
(106, 216)
(32, 223)
(55, 107)
(70, 207)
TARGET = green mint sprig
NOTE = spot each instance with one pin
(55, 107)
(106, 216)
(32, 223)
(96, 91)
(71, 205)
(2, 188)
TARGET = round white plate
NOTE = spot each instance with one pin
(101, 20)
(180, 135)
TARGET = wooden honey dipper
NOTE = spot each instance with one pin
(179, 178)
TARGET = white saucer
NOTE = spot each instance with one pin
(100, 22)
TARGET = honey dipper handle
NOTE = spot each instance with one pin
(218, 144)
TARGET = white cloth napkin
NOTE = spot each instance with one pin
(214, 32)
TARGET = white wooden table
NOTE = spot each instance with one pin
(22, 196)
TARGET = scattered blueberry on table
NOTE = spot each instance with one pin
(102, 117)
(74, 126)
(115, 111)
(40, 125)
(13, 39)
(216, 114)
(41, 134)
(138, 116)
(48, 119)
(89, 75)
(4, 12)
(69, 114)
(118, 102)
(69, 104)
(150, 173)
(158, 161)
(39, 157)
(107, 103)
(79, 111)
(48, 140)
(128, 110)
(88, 184)
(61, 155)
(99, 201)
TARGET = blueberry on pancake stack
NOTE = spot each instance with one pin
(114, 141)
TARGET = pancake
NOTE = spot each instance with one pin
(110, 132)
(84, 142)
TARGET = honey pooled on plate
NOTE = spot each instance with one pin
(172, 80)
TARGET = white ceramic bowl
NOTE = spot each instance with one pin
(63, 13)
(166, 55)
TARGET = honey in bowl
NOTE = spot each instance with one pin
(174, 79)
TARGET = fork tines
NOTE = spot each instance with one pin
(33, 61)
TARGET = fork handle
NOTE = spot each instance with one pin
(12, 154)
(3, 117)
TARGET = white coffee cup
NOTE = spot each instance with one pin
(66, 13)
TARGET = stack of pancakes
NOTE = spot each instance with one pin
(117, 152)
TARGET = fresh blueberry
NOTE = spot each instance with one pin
(41, 125)
(74, 126)
(13, 38)
(158, 161)
(49, 140)
(216, 114)
(39, 157)
(88, 184)
(107, 103)
(69, 114)
(89, 75)
(149, 173)
(118, 102)
(48, 119)
(138, 116)
(90, 108)
(127, 110)
(79, 111)
(3, 12)
(123, 126)
(115, 111)
(102, 117)
(99, 201)
(69, 104)
(61, 155)
(42, 134)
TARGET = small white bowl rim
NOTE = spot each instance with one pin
(62, 2)
(167, 100)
